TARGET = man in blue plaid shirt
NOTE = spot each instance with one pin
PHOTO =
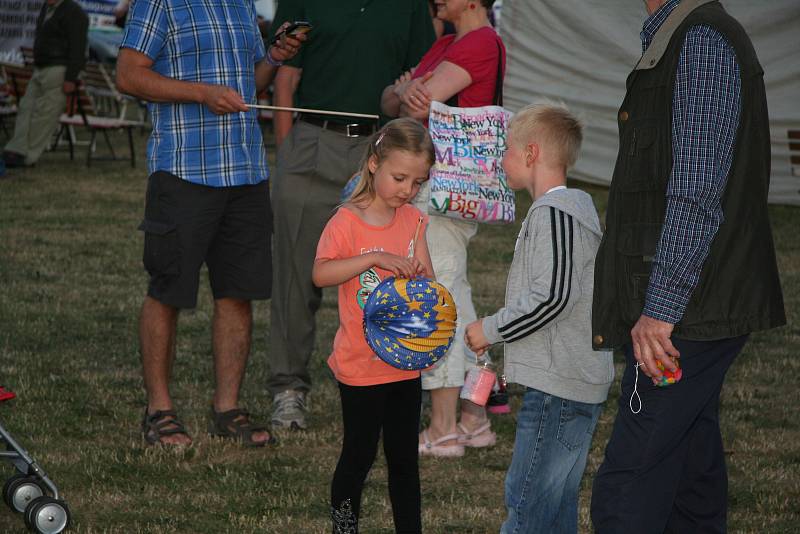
(687, 267)
(199, 65)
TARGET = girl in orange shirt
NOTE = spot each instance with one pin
(374, 235)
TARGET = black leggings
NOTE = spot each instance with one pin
(366, 411)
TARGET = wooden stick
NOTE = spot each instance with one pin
(315, 111)
(414, 241)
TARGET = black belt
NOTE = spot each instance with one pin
(349, 129)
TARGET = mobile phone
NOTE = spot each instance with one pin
(295, 28)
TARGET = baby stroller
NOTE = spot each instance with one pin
(28, 491)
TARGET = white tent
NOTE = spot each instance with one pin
(581, 51)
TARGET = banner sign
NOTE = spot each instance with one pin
(17, 27)
(18, 23)
(101, 14)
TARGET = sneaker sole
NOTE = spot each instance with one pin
(290, 425)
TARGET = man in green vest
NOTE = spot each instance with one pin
(686, 270)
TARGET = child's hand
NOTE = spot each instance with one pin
(419, 268)
(398, 265)
(475, 338)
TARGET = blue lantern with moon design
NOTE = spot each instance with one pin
(410, 323)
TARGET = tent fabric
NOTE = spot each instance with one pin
(581, 51)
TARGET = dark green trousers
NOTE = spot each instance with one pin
(313, 166)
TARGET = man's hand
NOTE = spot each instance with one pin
(475, 338)
(68, 88)
(399, 82)
(221, 99)
(287, 46)
(651, 343)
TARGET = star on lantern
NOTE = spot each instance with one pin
(401, 314)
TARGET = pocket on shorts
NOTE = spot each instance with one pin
(161, 252)
(576, 424)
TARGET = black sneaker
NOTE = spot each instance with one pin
(13, 160)
(498, 399)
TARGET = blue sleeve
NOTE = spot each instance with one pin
(705, 117)
(260, 51)
(146, 28)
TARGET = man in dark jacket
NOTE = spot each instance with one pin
(59, 53)
(686, 270)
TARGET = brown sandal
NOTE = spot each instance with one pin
(161, 423)
(235, 424)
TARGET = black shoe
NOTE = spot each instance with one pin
(13, 160)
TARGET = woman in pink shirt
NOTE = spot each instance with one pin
(464, 69)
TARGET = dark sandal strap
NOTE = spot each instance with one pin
(161, 423)
(236, 424)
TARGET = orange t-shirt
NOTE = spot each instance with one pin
(346, 235)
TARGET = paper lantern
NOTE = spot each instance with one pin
(410, 323)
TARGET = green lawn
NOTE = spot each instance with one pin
(71, 285)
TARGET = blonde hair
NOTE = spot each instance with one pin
(553, 127)
(400, 134)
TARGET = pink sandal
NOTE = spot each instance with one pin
(435, 448)
(480, 437)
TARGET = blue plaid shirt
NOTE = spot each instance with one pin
(209, 42)
(705, 116)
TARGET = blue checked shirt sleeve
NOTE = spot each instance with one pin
(705, 116)
(146, 28)
(260, 51)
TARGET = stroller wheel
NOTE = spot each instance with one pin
(46, 515)
(20, 490)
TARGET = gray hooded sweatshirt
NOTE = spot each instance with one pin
(546, 324)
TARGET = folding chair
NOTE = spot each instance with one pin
(15, 82)
(98, 106)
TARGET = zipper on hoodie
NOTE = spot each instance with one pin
(520, 237)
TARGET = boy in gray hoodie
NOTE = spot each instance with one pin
(546, 325)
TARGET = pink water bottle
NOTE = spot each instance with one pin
(478, 384)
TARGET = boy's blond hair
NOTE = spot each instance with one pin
(557, 131)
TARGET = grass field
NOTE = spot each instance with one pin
(71, 284)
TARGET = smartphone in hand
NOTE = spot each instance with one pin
(295, 28)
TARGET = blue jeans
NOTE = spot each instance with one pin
(550, 450)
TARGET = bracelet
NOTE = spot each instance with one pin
(272, 61)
